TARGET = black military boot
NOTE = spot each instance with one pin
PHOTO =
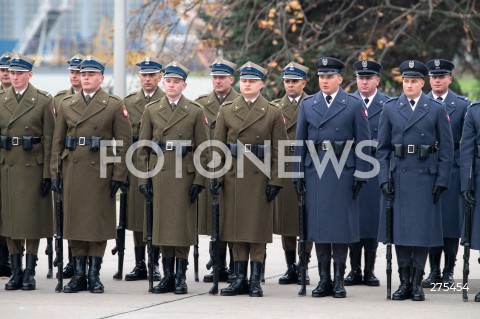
(29, 273)
(79, 279)
(139, 272)
(240, 285)
(255, 273)
(5, 269)
(94, 283)
(68, 270)
(167, 284)
(447, 278)
(354, 277)
(16, 280)
(404, 291)
(417, 290)
(338, 284)
(307, 277)
(231, 267)
(434, 277)
(325, 285)
(290, 276)
(369, 277)
(223, 271)
(156, 269)
(181, 287)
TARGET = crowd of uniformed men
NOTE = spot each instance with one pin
(428, 148)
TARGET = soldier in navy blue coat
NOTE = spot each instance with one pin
(440, 72)
(469, 164)
(329, 121)
(368, 79)
(415, 144)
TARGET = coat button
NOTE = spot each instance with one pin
(422, 134)
(336, 130)
(180, 135)
(92, 163)
(75, 161)
(27, 165)
(404, 170)
(26, 127)
(164, 133)
(11, 164)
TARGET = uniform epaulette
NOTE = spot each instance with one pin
(115, 98)
(43, 92)
(276, 101)
(152, 102)
(307, 97)
(62, 92)
(131, 94)
(392, 98)
(354, 96)
(272, 103)
(201, 97)
(436, 101)
(196, 104)
(475, 104)
(227, 103)
(66, 98)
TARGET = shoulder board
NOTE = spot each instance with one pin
(392, 98)
(152, 102)
(43, 92)
(308, 97)
(475, 104)
(201, 97)
(2, 91)
(62, 92)
(66, 98)
(117, 98)
(131, 94)
(273, 103)
(276, 101)
(436, 101)
(354, 96)
(227, 103)
(196, 104)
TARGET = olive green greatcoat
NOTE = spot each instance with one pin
(135, 104)
(245, 213)
(211, 106)
(89, 211)
(25, 214)
(59, 97)
(174, 217)
(285, 213)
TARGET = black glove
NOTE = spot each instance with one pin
(194, 191)
(272, 192)
(387, 192)
(146, 192)
(468, 198)
(57, 186)
(214, 187)
(115, 186)
(437, 191)
(46, 186)
(357, 185)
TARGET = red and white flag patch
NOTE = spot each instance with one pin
(365, 112)
(205, 119)
(448, 118)
(54, 110)
(283, 120)
(125, 112)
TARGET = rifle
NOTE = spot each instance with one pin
(120, 240)
(49, 253)
(195, 251)
(302, 253)
(59, 237)
(149, 210)
(214, 241)
(389, 233)
(466, 242)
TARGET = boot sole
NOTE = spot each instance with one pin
(135, 279)
(418, 298)
(340, 295)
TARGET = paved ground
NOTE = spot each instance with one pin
(131, 300)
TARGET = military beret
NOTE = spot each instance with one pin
(439, 66)
(413, 69)
(149, 65)
(5, 60)
(92, 64)
(222, 67)
(329, 66)
(252, 71)
(367, 68)
(176, 70)
(21, 63)
(295, 71)
(74, 62)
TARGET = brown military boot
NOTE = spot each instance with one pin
(29, 273)
(290, 276)
(16, 280)
(167, 284)
(79, 279)
(139, 272)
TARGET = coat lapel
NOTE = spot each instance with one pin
(10, 101)
(450, 102)
(420, 110)
(259, 109)
(377, 105)
(405, 108)
(180, 112)
(319, 105)
(27, 102)
(97, 104)
(336, 106)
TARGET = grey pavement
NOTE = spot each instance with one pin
(131, 300)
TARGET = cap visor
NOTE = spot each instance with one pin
(18, 69)
(173, 75)
(327, 72)
(144, 71)
(220, 73)
(88, 69)
(293, 77)
(250, 76)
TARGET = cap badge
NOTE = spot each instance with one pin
(436, 62)
(174, 63)
(147, 60)
(16, 57)
(89, 57)
(249, 65)
(364, 63)
(324, 61)
(77, 56)
(411, 64)
(291, 66)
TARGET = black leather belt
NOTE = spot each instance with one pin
(168, 146)
(257, 149)
(7, 142)
(71, 142)
(422, 151)
(336, 146)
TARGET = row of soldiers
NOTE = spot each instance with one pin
(343, 212)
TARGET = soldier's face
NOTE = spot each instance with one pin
(5, 77)
(440, 83)
(329, 83)
(250, 88)
(367, 84)
(412, 87)
(20, 79)
(174, 87)
(91, 81)
(222, 84)
(75, 79)
(150, 81)
(294, 87)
